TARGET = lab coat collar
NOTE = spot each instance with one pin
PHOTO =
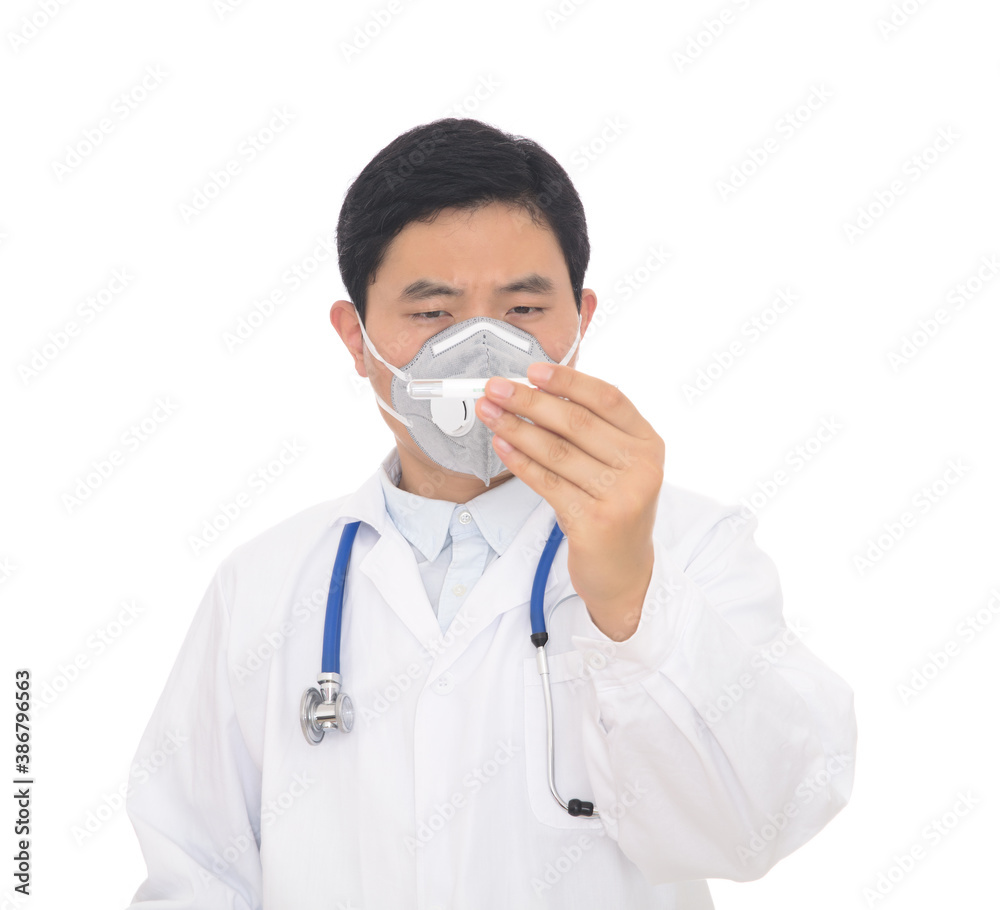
(392, 568)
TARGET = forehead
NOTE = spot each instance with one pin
(459, 242)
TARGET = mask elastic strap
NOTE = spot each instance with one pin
(569, 353)
(405, 421)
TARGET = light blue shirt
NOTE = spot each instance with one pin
(453, 543)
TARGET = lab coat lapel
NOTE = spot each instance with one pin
(392, 568)
(389, 562)
(505, 585)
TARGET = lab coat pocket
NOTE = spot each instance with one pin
(568, 681)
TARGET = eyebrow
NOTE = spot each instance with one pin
(423, 288)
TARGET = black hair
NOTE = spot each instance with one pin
(454, 163)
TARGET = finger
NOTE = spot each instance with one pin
(596, 395)
(552, 458)
(567, 419)
(566, 499)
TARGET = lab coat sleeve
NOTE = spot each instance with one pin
(194, 791)
(715, 741)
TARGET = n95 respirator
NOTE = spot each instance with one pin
(447, 429)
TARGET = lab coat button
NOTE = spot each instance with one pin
(444, 684)
(465, 517)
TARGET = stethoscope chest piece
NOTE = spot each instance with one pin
(329, 709)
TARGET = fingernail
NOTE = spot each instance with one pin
(538, 372)
(499, 387)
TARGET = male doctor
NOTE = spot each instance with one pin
(711, 742)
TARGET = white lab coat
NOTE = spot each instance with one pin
(710, 730)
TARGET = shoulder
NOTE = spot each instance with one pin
(281, 545)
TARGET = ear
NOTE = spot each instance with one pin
(344, 318)
(588, 303)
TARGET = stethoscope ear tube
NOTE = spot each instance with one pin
(539, 638)
(335, 599)
(574, 807)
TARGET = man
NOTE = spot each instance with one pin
(709, 740)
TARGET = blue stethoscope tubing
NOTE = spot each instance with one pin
(321, 712)
(335, 600)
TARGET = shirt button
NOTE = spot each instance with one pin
(444, 684)
(465, 517)
(458, 590)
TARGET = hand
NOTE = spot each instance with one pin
(599, 464)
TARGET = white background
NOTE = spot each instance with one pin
(651, 182)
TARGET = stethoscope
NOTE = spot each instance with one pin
(331, 709)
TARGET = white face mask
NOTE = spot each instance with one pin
(447, 429)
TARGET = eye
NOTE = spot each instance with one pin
(433, 314)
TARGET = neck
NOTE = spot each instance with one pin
(435, 482)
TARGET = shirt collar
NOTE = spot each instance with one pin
(499, 512)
